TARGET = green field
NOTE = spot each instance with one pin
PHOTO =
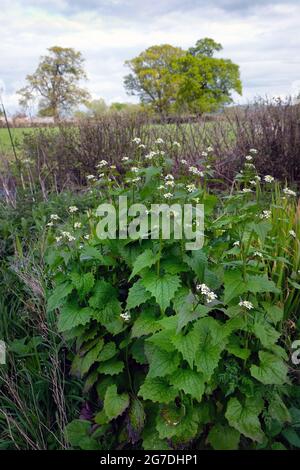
(17, 135)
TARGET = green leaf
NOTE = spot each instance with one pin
(292, 437)
(103, 293)
(58, 295)
(158, 390)
(163, 288)
(72, 315)
(145, 324)
(223, 437)
(212, 338)
(145, 260)
(278, 410)
(90, 357)
(76, 430)
(90, 253)
(245, 417)
(187, 345)
(267, 335)
(109, 350)
(83, 283)
(234, 285)
(258, 284)
(161, 362)
(271, 370)
(115, 404)
(189, 381)
(234, 347)
(111, 367)
(261, 229)
(137, 295)
(136, 420)
(274, 312)
(197, 262)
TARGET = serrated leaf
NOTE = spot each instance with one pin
(234, 285)
(245, 417)
(71, 315)
(258, 284)
(145, 324)
(111, 367)
(161, 362)
(191, 382)
(144, 260)
(83, 283)
(103, 293)
(90, 357)
(163, 288)
(223, 437)
(115, 404)
(274, 312)
(271, 370)
(187, 345)
(158, 390)
(137, 295)
(58, 295)
(278, 410)
(267, 335)
(76, 430)
(109, 350)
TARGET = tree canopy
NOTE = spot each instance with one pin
(171, 79)
(55, 83)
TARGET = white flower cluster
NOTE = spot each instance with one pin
(77, 225)
(205, 290)
(292, 233)
(68, 236)
(125, 316)
(101, 164)
(125, 159)
(54, 217)
(289, 192)
(73, 209)
(269, 179)
(176, 144)
(249, 158)
(168, 195)
(91, 177)
(183, 161)
(254, 151)
(237, 243)
(265, 215)
(191, 187)
(136, 140)
(247, 190)
(159, 141)
(195, 171)
(246, 304)
(258, 254)
(151, 155)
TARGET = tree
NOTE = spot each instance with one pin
(152, 77)
(172, 79)
(55, 83)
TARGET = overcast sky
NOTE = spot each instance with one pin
(261, 36)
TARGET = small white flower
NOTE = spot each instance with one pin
(247, 190)
(54, 217)
(90, 177)
(136, 140)
(169, 177)
(292, 233)
(191, 187)
(67, 235)
(176, 144)
(195, 171)
(205, 290)
(265, 215)
(269, 179)
(125, 159)
(126, 316)
(159, 141)
(204, 154)
(77, 225)
(258, 178)
(249, 158)
(183, 161)
(210, 149)
(134, 169)
(101, 164)
(101, 175)
(246, 304)
(113, 167)
(170, 183)
(253, 182)
(289, 192)
(50, 224)
(150, 155)
(161, 187)
(58, 239)
(142, 146)
(136, 180)
(258, 253)
(168, 195)
(249, 165)
(73, 209)
(237, 243)
(87, 237)
(253, 151)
